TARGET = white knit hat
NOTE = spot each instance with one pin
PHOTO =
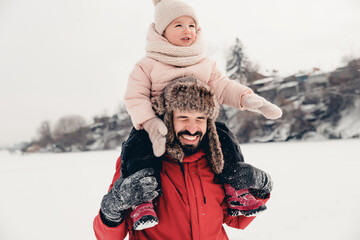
(167, 10)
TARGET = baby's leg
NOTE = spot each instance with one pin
(229, 145)
(137, 154)
(235, 176)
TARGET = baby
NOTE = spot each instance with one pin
(175, 49)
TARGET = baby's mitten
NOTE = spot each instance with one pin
(255, 103)
(157, 131)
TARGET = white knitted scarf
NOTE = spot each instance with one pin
(158, 48)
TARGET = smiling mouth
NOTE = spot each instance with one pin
(187, 138)
(190, 138)
(186, 38)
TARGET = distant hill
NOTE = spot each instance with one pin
(316, 105)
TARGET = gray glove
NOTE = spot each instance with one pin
(134, 190)
(244, 176)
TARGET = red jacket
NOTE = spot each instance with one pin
(192, 206)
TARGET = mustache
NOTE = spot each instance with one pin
(188, 133)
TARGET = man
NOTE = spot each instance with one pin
(192, 204)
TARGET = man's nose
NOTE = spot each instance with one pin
(192, 128)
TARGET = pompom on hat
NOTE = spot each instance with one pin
(190, 94)
(167, 10)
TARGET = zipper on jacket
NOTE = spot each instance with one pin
(183, 171)
(201, 182)
(182, 168)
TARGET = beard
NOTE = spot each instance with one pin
(190, 149)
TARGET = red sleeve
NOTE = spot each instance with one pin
(117, 173)
(110, 233)
(240, 222)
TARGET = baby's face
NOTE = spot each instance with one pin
(181, 31)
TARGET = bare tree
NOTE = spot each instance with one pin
(71, 130)
(68, 124)
(45, 135)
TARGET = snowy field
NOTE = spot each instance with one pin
(316, 192)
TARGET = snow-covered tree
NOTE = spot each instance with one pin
(236, 63)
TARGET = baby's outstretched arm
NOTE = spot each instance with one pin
(255, 103)
(239, 96)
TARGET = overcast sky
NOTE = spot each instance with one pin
(64, 57)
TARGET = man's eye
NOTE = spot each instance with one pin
(182, 119)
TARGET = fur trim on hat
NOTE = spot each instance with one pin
(189, 94)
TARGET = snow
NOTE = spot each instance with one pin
(288, 85)
(347, 127)
(316, 192)
(349, 124)
(263, 81)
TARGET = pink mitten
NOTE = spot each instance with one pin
(255, 103)
(157, 131)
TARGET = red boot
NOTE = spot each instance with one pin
(144, 216)
(241, 202)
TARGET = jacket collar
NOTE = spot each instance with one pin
(195, 157)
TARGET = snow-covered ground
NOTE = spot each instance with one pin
(316, 193)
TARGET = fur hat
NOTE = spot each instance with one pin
(189, 94)
(167, 10)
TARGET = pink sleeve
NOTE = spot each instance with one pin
(137, 95)
(228, 92)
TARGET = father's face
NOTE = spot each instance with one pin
(190, 128)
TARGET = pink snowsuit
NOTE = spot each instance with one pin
(149, 78)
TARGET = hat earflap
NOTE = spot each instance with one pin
(216, 158)
(173, 148)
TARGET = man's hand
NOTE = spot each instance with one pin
(134, 190)
(157, 131)
(254, 102)
(244, 176)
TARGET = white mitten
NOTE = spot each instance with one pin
(255, 103)
(157, 131)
